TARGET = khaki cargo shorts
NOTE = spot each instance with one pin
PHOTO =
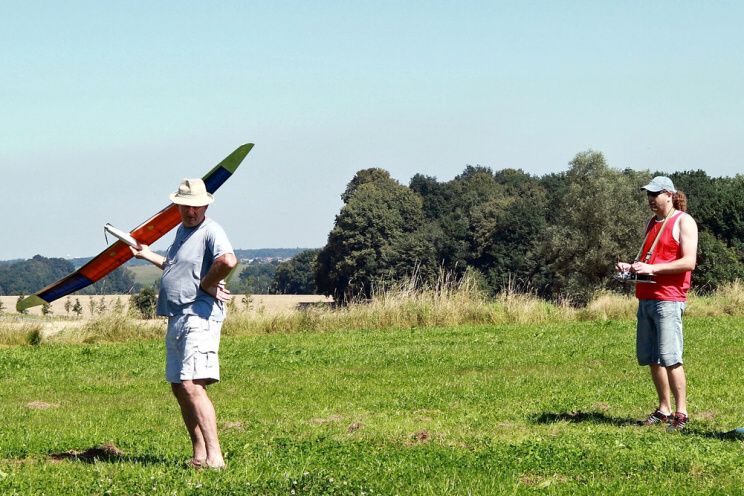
(191, 345)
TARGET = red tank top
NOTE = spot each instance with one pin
(668, 287)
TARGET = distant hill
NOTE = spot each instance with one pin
(252, 254)
(273, 253)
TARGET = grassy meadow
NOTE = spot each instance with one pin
(414, 394)
(146, 275)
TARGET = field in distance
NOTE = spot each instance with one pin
(146, 275)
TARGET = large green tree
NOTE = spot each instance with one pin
(506, 231)
(717, 205)
(256, 277)
(600, 217)
(375, 240)
(297, 275)
(717, 263)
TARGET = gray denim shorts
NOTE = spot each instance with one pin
(191, 345)
(659, 339)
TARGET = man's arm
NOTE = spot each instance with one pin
(212, 282)
(688, 240)
(144, 253)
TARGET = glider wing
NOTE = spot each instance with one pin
(146, 233)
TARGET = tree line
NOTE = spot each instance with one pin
(557, 235)
(293, 276)
(29, 276)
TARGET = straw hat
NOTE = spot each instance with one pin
(192, 193)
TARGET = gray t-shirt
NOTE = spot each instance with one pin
(187, 261)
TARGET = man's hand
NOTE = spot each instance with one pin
(219, 292)
(141, 252)
(642, 268)
(622, 267)
(145, 253)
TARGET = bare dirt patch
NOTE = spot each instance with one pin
(105, 452)
(41, 405)
(541, 481)
(419, 437)
(705, 415)
(328, 420)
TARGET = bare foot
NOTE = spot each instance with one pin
(214, 464)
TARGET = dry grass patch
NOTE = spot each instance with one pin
(14, 332)
(41, 405)
(610, 306)
(110, 329)
(407, 306)
(449, 303)
(727, 300)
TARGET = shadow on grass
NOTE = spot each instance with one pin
(601, 418)
(110, 454)
(734, 435)
(577, 417)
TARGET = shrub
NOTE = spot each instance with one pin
(145, 302)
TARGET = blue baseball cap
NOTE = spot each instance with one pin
(660, 183)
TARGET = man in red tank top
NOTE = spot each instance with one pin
(667, 258)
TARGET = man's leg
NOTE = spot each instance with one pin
(671, 348)
(192, 395)
(192, 425)
(647, 353)
(661, 382)
(678, 384)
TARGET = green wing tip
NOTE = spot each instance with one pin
(232, 161)
(28, 302)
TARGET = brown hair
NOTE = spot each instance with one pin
(679, 201)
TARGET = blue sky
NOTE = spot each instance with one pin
(107, 105)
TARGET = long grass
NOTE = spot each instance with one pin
(110, 328)
(462, 303)
(405, 306)
(13, 333)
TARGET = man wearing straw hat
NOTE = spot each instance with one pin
(193, 296)
(663, 271)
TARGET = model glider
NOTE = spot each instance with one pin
(146, 233)
(124, 236)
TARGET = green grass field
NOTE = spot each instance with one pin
(509, 409)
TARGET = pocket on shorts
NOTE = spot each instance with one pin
(195, 325)
(200, 335)
(207, 346)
